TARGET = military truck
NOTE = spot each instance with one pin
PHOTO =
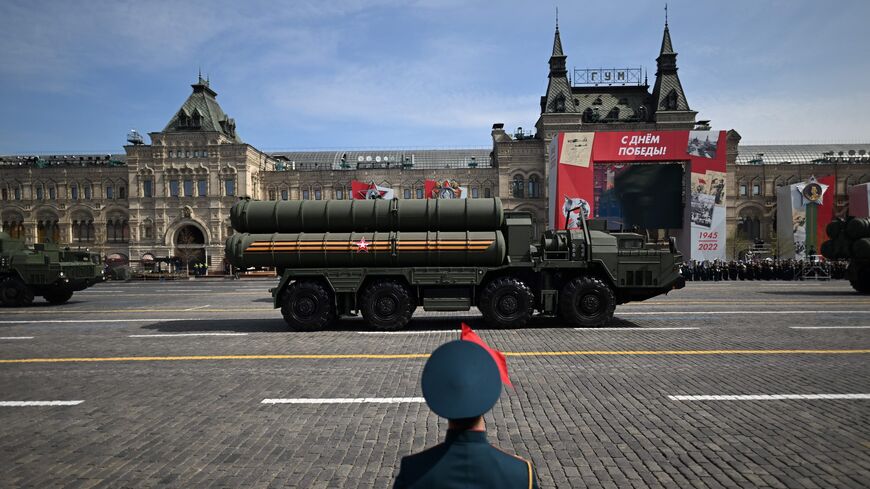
(850, 240)
(45, 270)
(385, 258)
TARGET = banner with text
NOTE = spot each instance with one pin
(638, 180)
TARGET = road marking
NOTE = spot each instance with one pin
(454, 331)
(632, 329)
(16, 337)
(198, 307)
(103, 320)
(769, 397)
(38, 403)
(346, 400)
(134, 311)
(702, 313)
(399, 356)
(829, 327)
(184, 334)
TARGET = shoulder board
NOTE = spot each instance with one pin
(521, 459)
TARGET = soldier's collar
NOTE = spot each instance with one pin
(467, 436)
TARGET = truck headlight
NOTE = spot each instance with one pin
(61, 274)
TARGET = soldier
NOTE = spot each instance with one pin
(461, 382)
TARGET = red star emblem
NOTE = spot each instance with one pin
(362, 246)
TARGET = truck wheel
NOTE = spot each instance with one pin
(587, 301)
(58, 296)
(15, 293)
(387, 305)
(505, 302)
(307, 306)
(860, 281)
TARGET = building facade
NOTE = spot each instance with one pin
(171, 198)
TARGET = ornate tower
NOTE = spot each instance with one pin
(671, 106)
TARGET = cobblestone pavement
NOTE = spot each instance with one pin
(172, 377)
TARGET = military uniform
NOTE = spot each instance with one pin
(465, 460)
(462, 381)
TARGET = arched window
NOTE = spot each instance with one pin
(642, 113)
(518, 190)
(670, 101)
(318, 193)
(587, 115)
(534, 187)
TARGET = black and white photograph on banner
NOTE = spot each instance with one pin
(703, 144)
(702, 209)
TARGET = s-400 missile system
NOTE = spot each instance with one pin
(385, 258)
(43, 270)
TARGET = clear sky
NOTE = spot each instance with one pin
(305, 74)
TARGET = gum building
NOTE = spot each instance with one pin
(171, 197)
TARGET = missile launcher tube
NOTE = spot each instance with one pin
(371, 249)
(345, 216)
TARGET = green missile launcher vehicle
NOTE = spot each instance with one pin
(44, 270)
(850, 240)
(385, 258)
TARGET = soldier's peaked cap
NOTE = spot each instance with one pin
(460, 380)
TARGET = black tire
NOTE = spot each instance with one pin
(506, 301)
(307, 306)
(58, 296)
(587, 301)
(15, 293)
(387, 305)
(859, 279)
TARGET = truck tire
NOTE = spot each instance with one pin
(58, 296)
(587, 301)
(859, 279)
(15, 293)
(387, 305)
(307, 306)
(506, 301)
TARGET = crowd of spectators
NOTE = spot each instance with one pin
(766, 269)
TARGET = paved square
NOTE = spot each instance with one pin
(734, 384)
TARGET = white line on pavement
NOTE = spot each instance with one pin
(198, 307)
(769, 397)
(703, 313)
(453, 331)
(829, 327)
(49, 321)
(631, 329)
(16, 337)
(346, 400)
(38, 403)
(184, 334)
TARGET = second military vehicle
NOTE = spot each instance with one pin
(850, 240)
(385, 258)
(44, 270)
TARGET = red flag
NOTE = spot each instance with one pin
(468, 334)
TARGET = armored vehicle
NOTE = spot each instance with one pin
(44, 270)
(384, 258)
(850, 240)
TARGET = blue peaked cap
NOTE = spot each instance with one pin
(460, 380)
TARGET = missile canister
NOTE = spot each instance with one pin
(345, 216)
(373, 249)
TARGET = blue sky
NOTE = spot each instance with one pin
(76, 76)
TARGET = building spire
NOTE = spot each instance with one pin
(557, 40)
(666, 15)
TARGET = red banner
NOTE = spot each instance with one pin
(446, 189)
(576, 185)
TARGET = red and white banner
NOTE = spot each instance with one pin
(363, 190)
(445, 189)
(590, 170)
